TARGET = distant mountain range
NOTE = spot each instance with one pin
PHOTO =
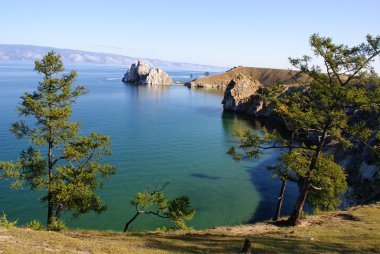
(29, 53)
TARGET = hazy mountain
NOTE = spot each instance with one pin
(29, 53)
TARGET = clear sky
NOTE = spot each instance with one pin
(220, 32)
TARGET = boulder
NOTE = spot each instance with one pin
(141, 73)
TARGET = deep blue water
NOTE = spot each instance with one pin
(159, 134)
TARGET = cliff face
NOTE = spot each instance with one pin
(240, 95)
(265, 76)
(141, 73)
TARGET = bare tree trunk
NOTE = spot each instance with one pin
(131, 220)
(247, 246)
(279, 200)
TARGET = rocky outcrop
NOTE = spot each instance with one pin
(158, 76)
(244, 95)
(141, 73)
(240, 95)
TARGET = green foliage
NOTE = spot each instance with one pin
(56, 225)
(4, 222)
(333, 104)
(328, 180)
(179, 211)
(156, 203)
(71, 172)
(35, 225)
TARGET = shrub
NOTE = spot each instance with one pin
(35, 225)
(56, 225)
(4, 222)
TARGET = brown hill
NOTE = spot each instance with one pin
(264, 75)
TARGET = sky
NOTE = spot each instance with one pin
(223, 33)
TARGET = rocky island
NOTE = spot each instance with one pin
(141, 73)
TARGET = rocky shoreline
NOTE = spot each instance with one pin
(243, 95)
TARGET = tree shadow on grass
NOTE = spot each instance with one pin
(231, 244)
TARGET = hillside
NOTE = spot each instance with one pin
(266, 77)
(353, 231)
(29, 53)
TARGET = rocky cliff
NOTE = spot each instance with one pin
(240, 95)
(141, 73)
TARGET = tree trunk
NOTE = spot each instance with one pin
(295, 217)
(58, 212)
(247, 246)
(131, 220)
(279, 200)
(50, 165)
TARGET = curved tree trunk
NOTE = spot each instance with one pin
(131, 220)
(295, 217)
(279, 200)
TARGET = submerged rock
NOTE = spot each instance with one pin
(141, 73)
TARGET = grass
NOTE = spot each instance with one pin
(353, 231)
(264, 75)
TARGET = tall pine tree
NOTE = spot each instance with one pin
(70, 171)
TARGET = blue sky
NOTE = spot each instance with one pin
(224, 33)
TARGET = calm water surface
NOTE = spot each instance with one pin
(159, 134)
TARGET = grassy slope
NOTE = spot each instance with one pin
(264, 75)
(356, 230)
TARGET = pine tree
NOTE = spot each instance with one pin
(178, 210)
(70, 172)
(333, 105)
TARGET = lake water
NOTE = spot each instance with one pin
(159, 134)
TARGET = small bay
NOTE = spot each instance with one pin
(159, 134)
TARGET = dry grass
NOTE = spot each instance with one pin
(353, 231)
(264, 75)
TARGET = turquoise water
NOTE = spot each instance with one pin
(159, 134)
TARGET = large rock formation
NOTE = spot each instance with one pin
(240, 95)
(158, 76)
(141, 73)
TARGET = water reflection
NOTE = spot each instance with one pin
(146, 91)
(232, 122)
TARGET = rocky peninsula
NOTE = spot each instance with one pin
(141, 73)
(265, 76)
